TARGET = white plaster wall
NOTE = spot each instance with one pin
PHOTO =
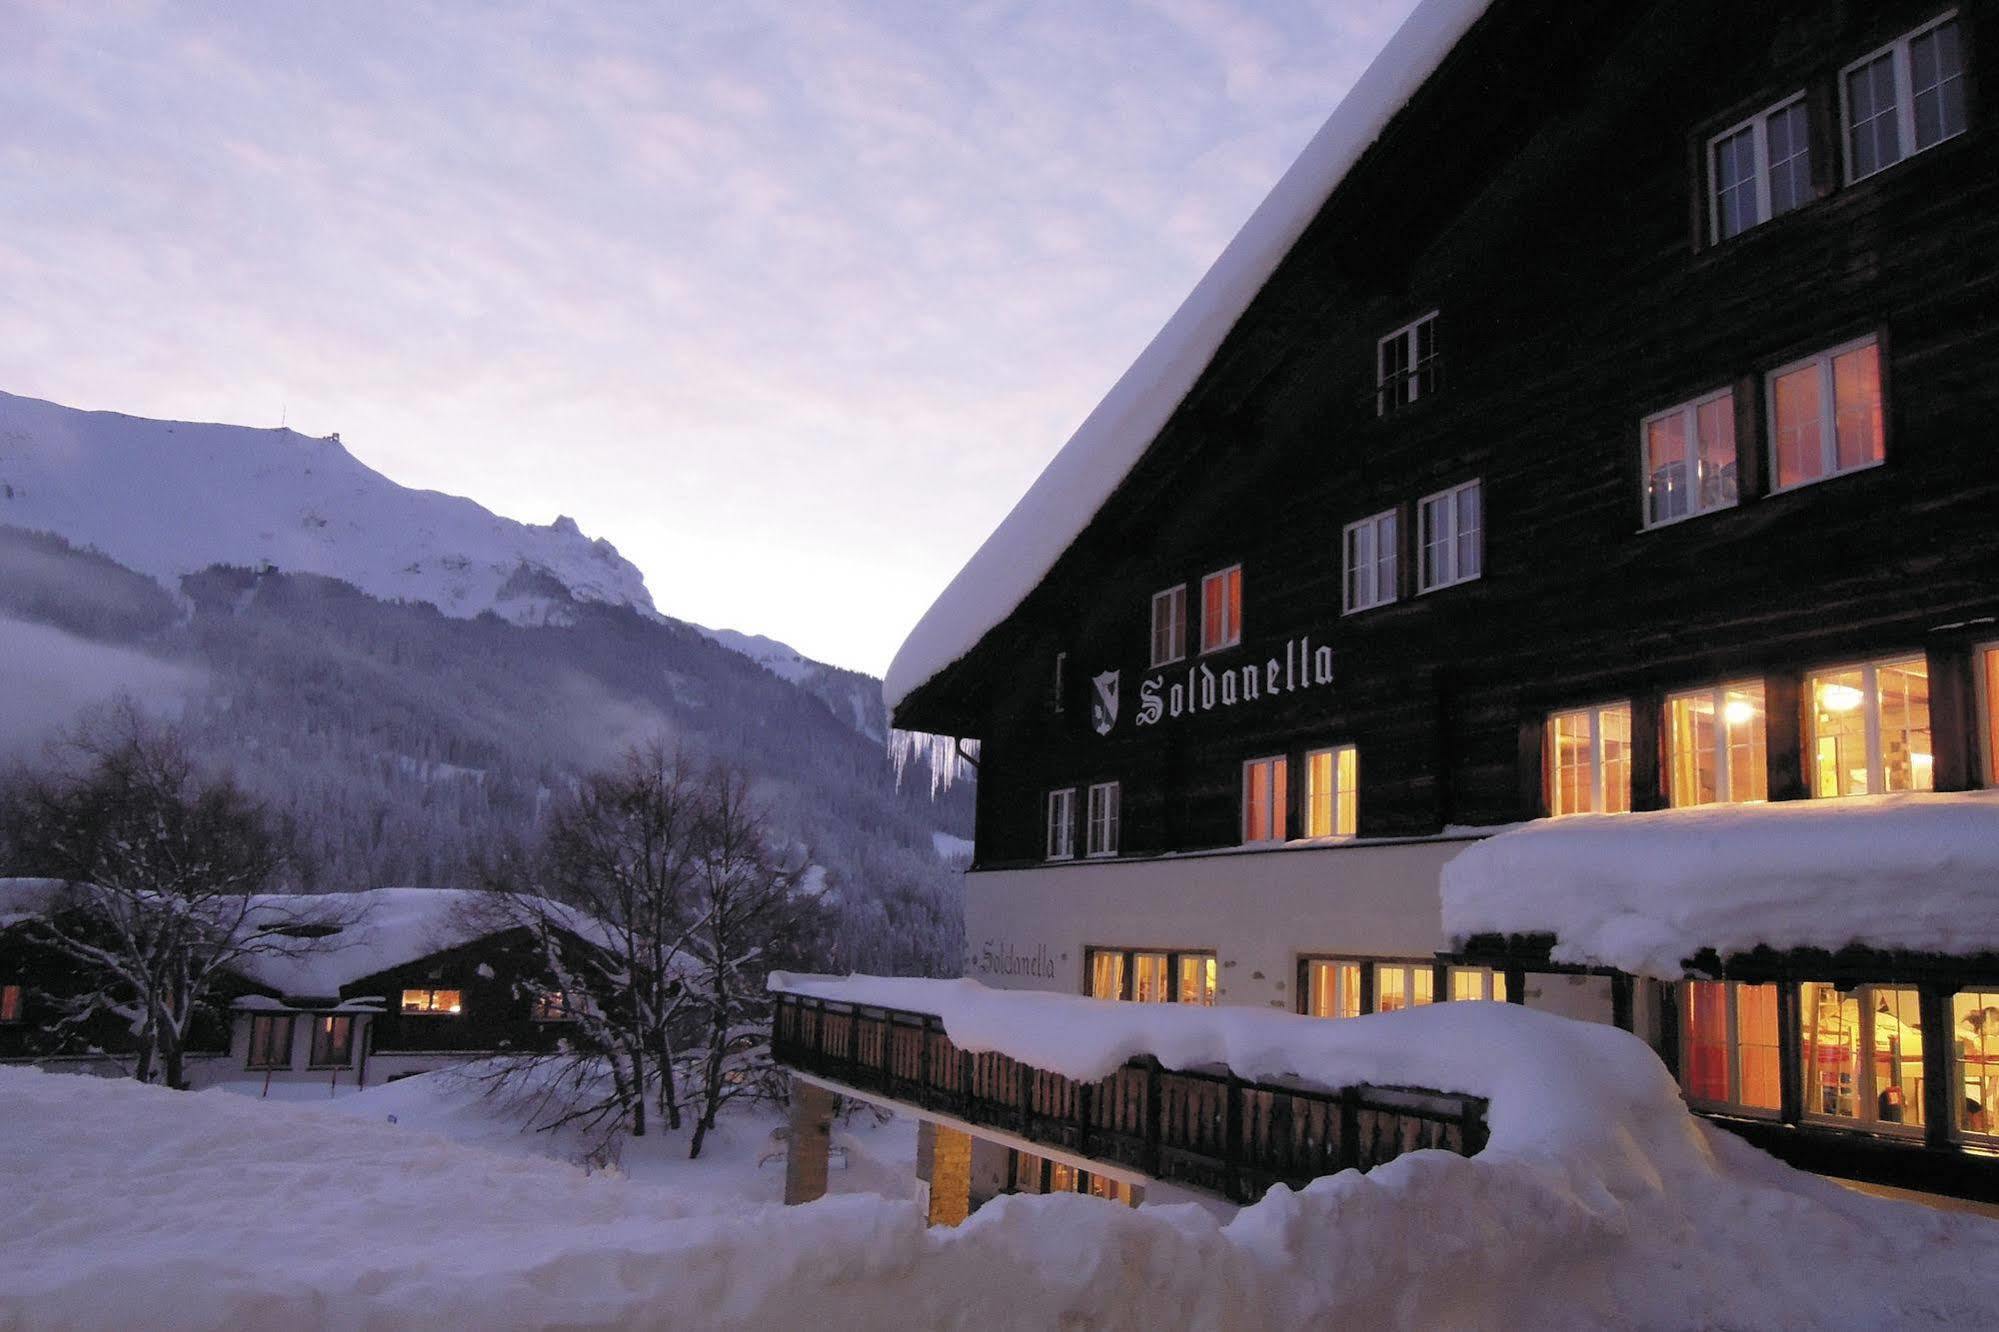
(1258, 911)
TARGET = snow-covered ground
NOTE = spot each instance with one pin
(1601, 1202)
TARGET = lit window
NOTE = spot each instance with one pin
(1056, 686)
(1331, 794)
(1407, 367)
(1264, 797)
(1197, 979)
(1106, 973)
(1169, 625)
(552, 1006)
(1690, 459)
(1904, 98)
(1974, 1018)
(10, 1003)
(1589, 760)
(1450, 537)
(433, 1003)
(332, 1041)
(1871, 728)
(1759, 169)
(1221, 609)
(1862, 1053)
(1332, 989)
(1370, 562)
(1102, 823)
(1398, 986)
(1478, 983)
(1062, 824)
(1729, 1048)
(1988, 688)
(1151, 977)
(1715, 746)
(1825, 414)
(271, 1040)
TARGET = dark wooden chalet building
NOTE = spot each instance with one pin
(1599, 418)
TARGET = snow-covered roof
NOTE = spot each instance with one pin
(1075, 484)
(1645, 892)
(24, 899)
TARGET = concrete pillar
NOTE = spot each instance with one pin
(950, 1177)
(810, 1135)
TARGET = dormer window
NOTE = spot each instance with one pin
(1406, 365)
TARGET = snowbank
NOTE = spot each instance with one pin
(1110, 441)
(1644, 892)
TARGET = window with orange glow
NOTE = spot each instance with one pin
(1331, 800)
(1871, 728)
(1106, 973)
(1221, 609)
(1151, 976)
(1715, 746)
(1265, 793)
(1826, 415)
(1197, 979)
(1988, 689)
(1477, 983)
(552, 1006)
(1588, 760)
(10, 1003)
(1690, 459)
(433, 1003)
(1975, 1056)
(1862, 1054)
(1332, 989)
(1729, 1045)
(332, 1041)
(1398, 986)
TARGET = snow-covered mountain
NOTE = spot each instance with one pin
(169, 498)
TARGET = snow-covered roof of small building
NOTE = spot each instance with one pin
(1075, 484)
(1645, 892)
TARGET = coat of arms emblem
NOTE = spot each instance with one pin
(1103, 702)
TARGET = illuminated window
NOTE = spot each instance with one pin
(10, 1004)
(1398, 986)
(1862, 1054)
(1150, 973)
(1101, 826)
(1197, 979)
(1264, 797)
(1169, 625)
(1690, 459)
(332, 1041)
(1151, 977)
(1825, 414)
(1871, 728)
(1588, 763)
(1406, 365)
(1729, 1044)
(1904, 98)
(1974, 1016)
(1106, 973)
(1062, 824)
(1450, 537)
(1332, 989)
(1715, 746)
(433, 1003)
(552, 1006)
(1370, 546)
(1759, 169)
(1988, 689)
(1331, 791)
(1478, 983)
(271, 1040)
(1221, 609)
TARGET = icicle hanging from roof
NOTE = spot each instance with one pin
(950, 760)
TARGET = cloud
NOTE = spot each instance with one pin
(53, 677)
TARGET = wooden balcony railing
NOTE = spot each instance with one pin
(1204, 1128)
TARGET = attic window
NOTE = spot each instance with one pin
(433, 1003)
(1407, 367)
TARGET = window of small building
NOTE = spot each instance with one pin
(270, 1040)
(1826, 415)
(1169, 625)
(1477, 983)
(433, 1003)
(1370, 559)
(1729, 1045)
(1403, 985)
(1152, 976)
(1974, 1018)
(12, 1007)
(1871, 728)
(1332, 988)
(552, 1006)
(1759, 169)
(1407, 365)
(1265, 795)
(1450, 537)
(1062, 824)
(1904, 98)
(1689, 459)
(1715, 746)
(332, 1041)
(1221, 609)
(1862, 1054)
(1588, 763)
(1988, 697)
(1332, 779)
(1101, 837)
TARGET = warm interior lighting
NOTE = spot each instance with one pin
(1739, 712)
(1840, 698)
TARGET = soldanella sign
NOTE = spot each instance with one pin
(1208, 687)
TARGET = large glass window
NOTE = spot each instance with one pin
(1729, 1045)
(1974, 1016)
(1062, 824)
(1450, 535)
(1690, 459)
(1759, 169)
(1871, 728)
(1588, 762)
(1169, 625)
(1715, 746)
(1400, 985)
(271, 1040)
(1370, 546)
(1407, 366)
(1470, 983)
(1152, 977)
(1332, 989)
(1102, 836)
(1265, 794)
(332, 1041)
(1904, 98)
(1826, 415)
(1331, 795)
(433, 1003)
(1221, 609)
(1862, 1053)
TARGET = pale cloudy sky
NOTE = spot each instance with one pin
(789, 299)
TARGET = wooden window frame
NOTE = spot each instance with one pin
(315, 1048)
(1985, 672)
(1280, 823)
(1341, 796)
(1056, 850)
(1717, 694)
(269, 1020)
(1870, 704)
(1389, 397)
(1758, 126)
(1897, 52)
(1828, 413)
(1689, 413)
(1446, 500)
(1175, 598)
(1865, 1093)
(1955, 1071)
(1734, 1105)
(1492, 981)
(1233, 627)
(1363, 982)
(1551, 770)
(1391, 557)
(1113, 796)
